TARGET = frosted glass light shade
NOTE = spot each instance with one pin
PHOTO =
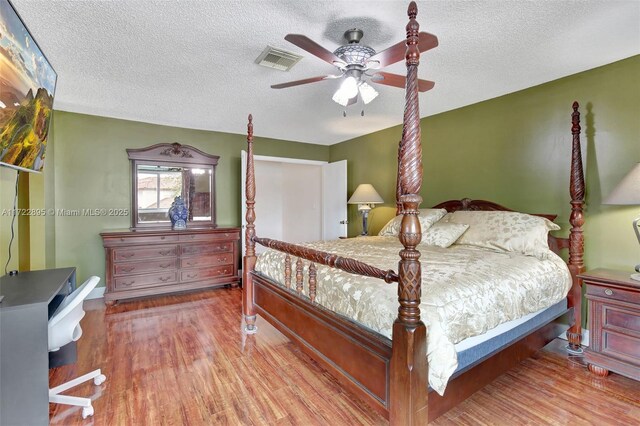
(628, 190)
(367, 93)
(365, 193)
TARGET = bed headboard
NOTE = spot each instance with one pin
(575, 242)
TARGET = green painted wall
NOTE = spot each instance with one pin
(515, 150)
(91, 171)
(7, 193)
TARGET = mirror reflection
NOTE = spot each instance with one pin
(158, 185)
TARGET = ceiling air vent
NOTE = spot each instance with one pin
(278, 59)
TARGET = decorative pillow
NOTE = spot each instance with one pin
(443, 234)
(506, 231)
(427, 218)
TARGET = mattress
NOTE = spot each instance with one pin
(476, 348)
(466, 291)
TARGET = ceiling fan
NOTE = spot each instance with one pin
(357, 62)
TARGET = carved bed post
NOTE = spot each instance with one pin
(408, 375)
(398, 183)
(249, 262)
(576, 239)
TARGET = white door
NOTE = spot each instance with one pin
(334, 200)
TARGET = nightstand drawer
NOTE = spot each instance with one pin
(621, 346)
(621, 319)
(613, 293)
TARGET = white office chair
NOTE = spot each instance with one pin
(64, 328)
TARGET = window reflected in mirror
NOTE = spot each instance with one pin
(158, 186)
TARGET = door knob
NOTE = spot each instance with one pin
(344, 222)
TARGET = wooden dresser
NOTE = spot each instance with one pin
(145, 263)
(614, 323)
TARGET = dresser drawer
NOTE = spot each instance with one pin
(208, 260)
(132, 268)
(148, 280)
(204, 273)
(206, 248)
(141, 239)
(134, 253)
(613, 293)
(210, 237)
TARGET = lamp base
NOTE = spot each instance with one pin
(635, 277)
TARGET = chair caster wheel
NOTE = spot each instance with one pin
(87, 411)
(99, 380)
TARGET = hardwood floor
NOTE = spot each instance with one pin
(183, 360)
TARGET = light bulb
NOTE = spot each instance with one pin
(349, 87)
(367, 93)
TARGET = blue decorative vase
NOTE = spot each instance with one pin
(178, 214)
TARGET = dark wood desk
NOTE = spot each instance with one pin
(30, 298)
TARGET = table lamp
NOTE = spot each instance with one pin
(365, 196)
(628, 193)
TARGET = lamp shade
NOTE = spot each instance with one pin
(628, 190)
(365, 193)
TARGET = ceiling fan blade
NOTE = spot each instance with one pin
(400, 81)
(397, 52)
(305, 43)
(299, 82)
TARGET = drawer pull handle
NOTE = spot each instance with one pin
(165, 266)
(192, 275)
(221, 259)
(608, 292)
(128, 255)
(190, 263)
(122, 239)
(128, 268)
(164, 252)
(164, 279)
(127, 284)
(162, 238)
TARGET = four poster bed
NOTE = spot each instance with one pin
(387, 364)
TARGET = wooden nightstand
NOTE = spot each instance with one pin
(614, 323)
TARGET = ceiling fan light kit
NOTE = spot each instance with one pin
(354, 60)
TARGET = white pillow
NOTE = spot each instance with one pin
(427, 218)
(443, 234)
(505, 231)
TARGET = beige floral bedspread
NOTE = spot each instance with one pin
(465, 291)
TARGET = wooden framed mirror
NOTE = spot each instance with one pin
(161, 172)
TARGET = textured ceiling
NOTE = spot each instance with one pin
(191, 63)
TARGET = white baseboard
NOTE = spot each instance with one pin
(585, 337)
(96, 293)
